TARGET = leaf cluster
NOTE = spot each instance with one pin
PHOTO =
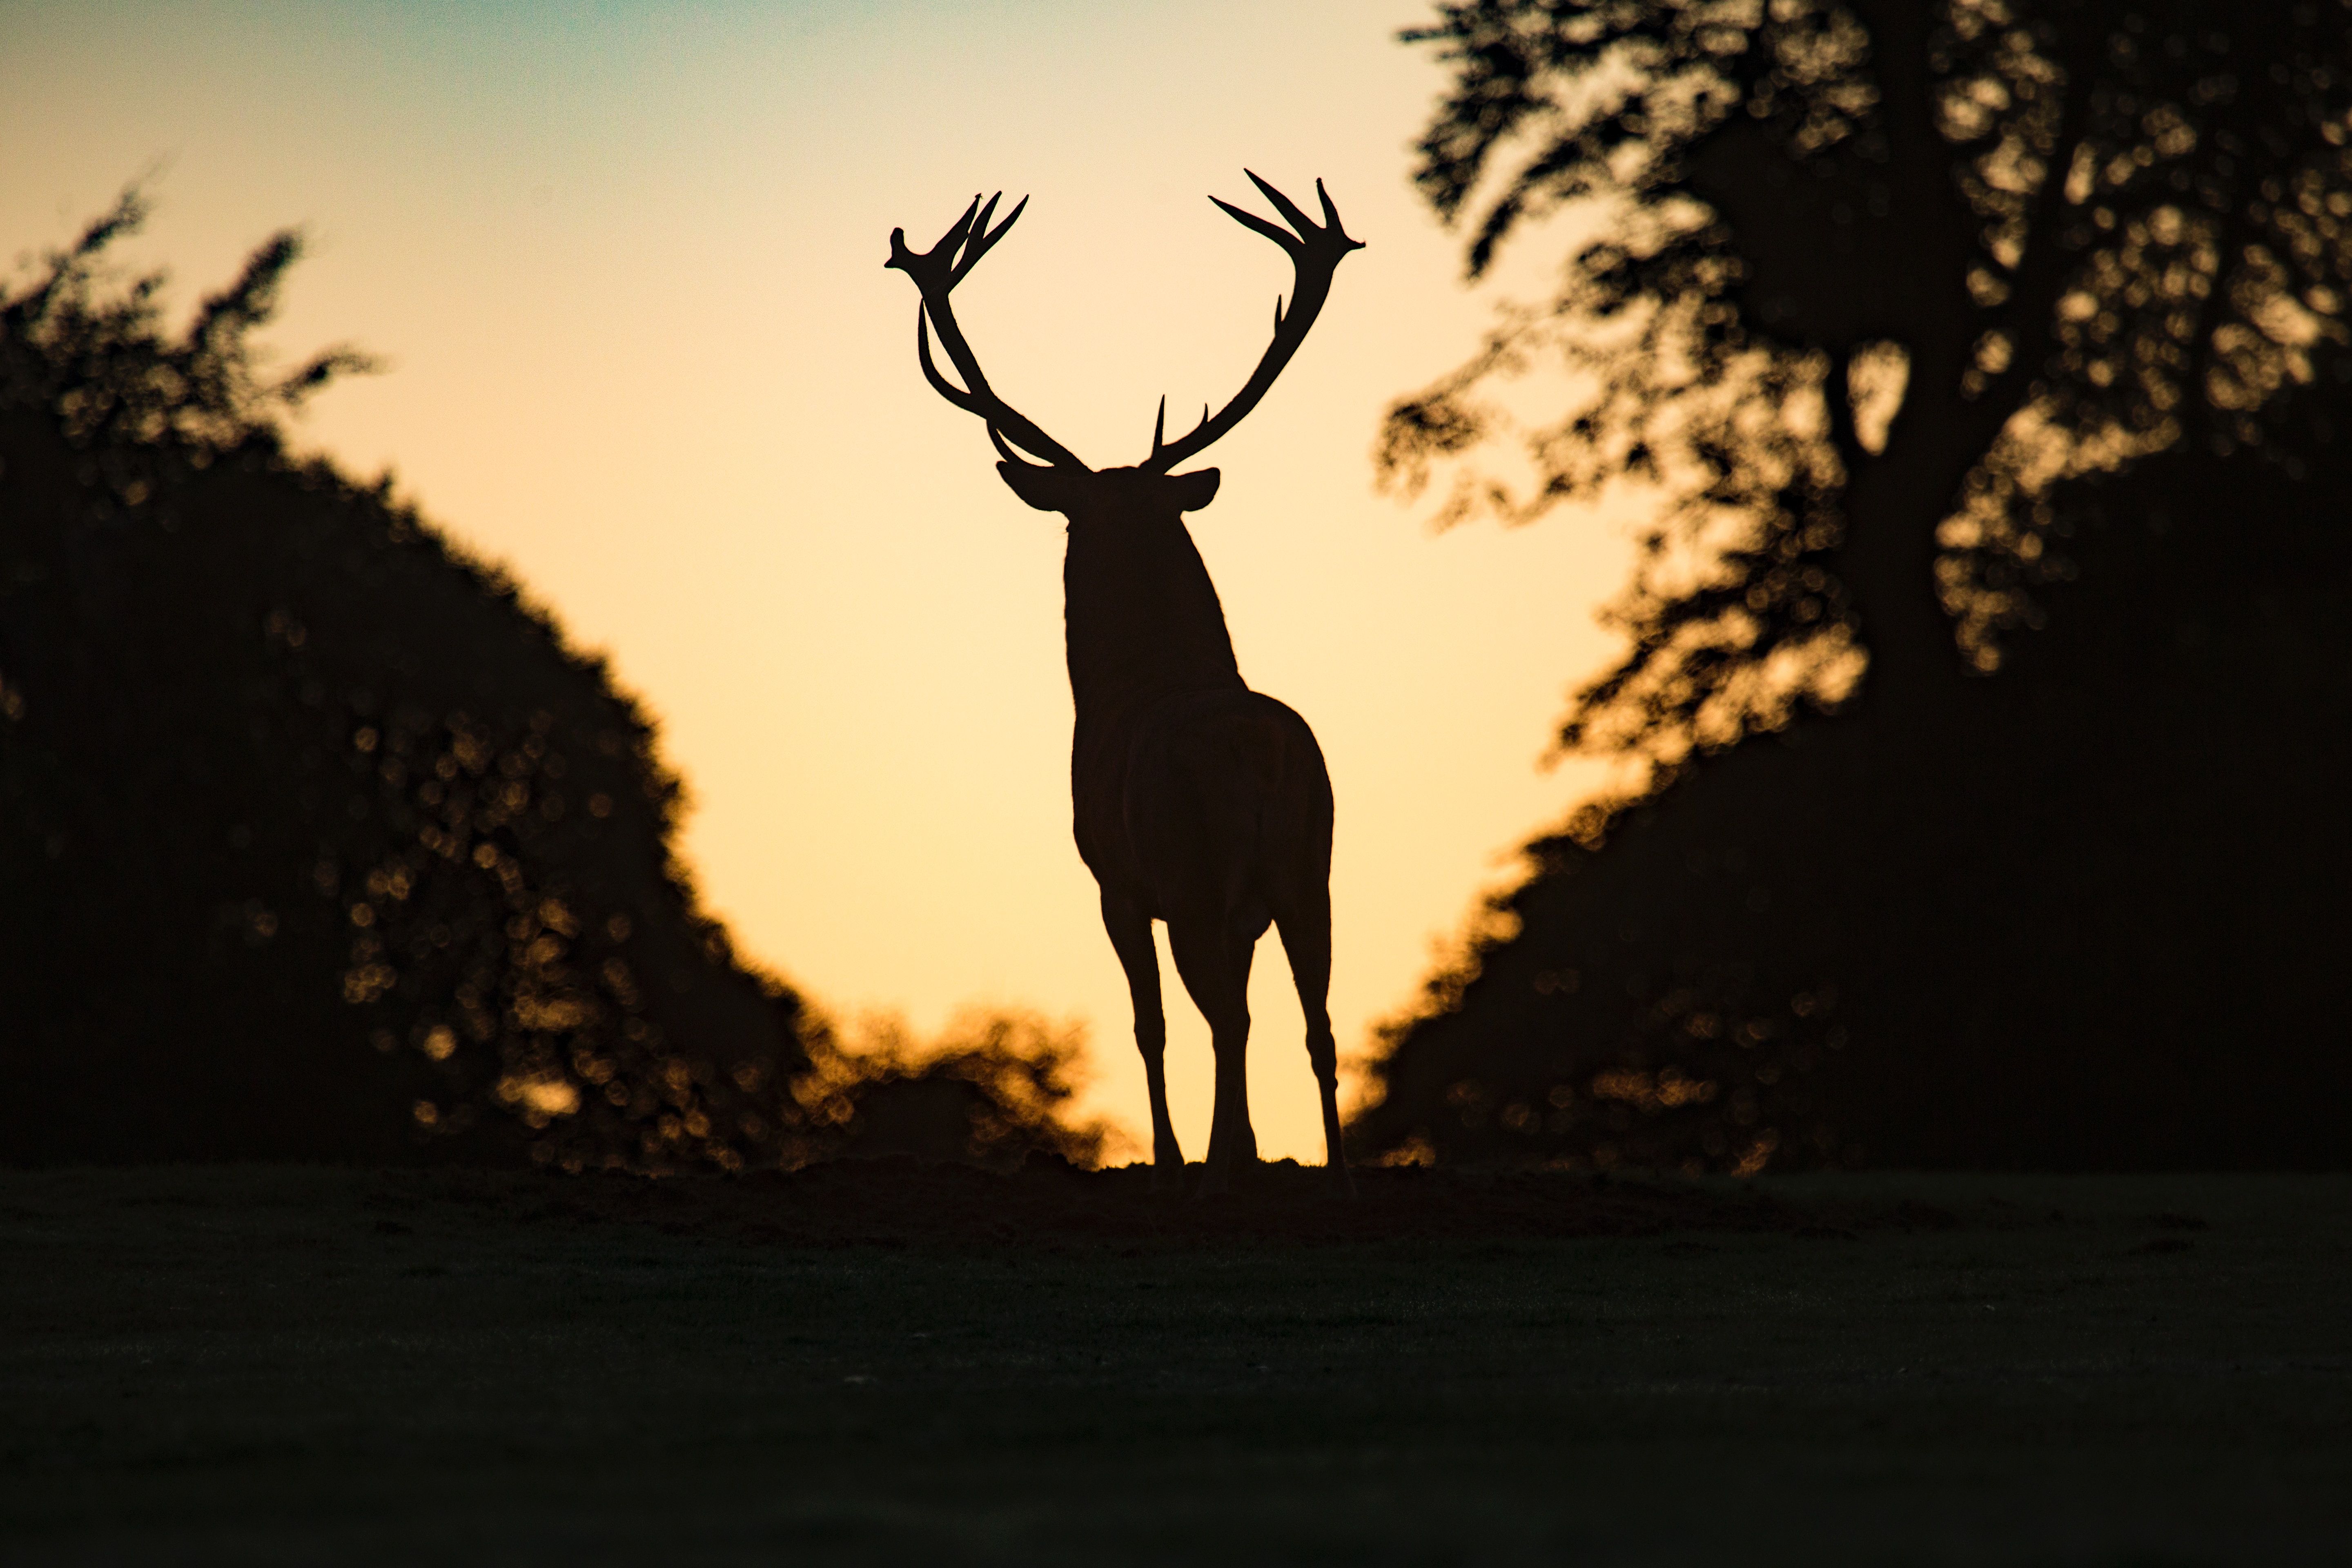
(101, 360)
(2067, 235)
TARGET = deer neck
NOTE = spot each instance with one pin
(1141, 618)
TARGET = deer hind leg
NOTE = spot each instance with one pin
(1130, 937)
(1215, 963)
(1306, 931)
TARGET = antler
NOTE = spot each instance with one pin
(938, 270)
(1316, 253)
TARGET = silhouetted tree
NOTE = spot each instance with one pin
(316, 838)
(1898, 310)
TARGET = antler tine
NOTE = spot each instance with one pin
(940, 383)
(936, 273)
(1010, 455)
(1250, 220)
(949, 242)
(1157, 425)
(984, 237)
(1290, 210)
(975, 223)
(1315, 251)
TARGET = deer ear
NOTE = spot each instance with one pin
(1194, 490)
(1040, 487)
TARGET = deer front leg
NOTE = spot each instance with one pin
(1215, 965)
(1130, 938)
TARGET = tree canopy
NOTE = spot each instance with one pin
(1985, 339)
(319, 840)
(1872, 279)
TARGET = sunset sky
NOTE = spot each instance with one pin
(625, 263)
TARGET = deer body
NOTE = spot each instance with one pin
(1195, 801)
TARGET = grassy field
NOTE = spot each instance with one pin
(899, 1363)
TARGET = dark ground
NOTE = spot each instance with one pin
(892, 1362)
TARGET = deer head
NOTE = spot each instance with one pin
(1062, 483)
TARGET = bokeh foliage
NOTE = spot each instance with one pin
(318, 838)
(994, 1089)
(1938, 341)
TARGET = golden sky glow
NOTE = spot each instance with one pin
(626, 266)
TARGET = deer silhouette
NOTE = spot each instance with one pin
(1197, 802)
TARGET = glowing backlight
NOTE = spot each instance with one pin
(629, 280)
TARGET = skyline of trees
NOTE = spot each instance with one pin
(1984, 363)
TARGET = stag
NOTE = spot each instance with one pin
(1197, 802)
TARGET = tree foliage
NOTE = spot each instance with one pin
(1939, 340)
(1872, 279)
(319, 840)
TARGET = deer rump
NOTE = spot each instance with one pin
(1209, 807)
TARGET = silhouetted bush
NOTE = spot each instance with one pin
(992, 1091)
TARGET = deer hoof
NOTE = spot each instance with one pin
(1219, 1177)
